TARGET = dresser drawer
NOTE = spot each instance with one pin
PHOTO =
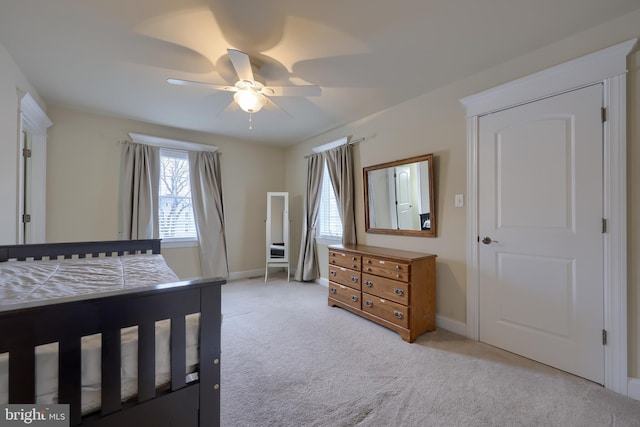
(345, 259)
(388, 310)
(344, 276)
(386, 288)
(391, 269)
(345, 294)
(394, 288)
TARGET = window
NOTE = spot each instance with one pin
(329, 224)
(175, 213)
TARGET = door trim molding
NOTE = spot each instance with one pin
(35, 122)
(609, 67)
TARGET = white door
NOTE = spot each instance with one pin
(540, 225)
(403, 197)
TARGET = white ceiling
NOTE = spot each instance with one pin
(113, 56)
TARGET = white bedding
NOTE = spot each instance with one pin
(26, 281)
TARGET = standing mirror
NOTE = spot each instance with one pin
(399, 197)
(277, 232)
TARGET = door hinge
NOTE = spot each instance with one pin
(604, 225)
(26, 152)
(603, 114)
(604, 337)
(26, 218)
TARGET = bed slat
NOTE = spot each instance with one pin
(22, 378)
(111, 349)
(146, 361)
(70, 377)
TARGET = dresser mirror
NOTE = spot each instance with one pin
(399, 197)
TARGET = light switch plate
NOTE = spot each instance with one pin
(459, 201)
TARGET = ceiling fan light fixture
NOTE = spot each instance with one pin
(250, 100)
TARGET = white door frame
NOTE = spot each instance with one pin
(33, 121)
(609, 67)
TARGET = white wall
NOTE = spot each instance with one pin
(435, 123)
(83, 162)
(13, 84)
(82, 170)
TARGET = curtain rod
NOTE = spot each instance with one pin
(175, 145)
(349, 142)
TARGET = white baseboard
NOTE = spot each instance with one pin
(460, 328)
(250, 274)
(451, 325)
(442, 322)
(633, 390)
(246, 274)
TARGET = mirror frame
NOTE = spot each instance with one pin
(432, 197)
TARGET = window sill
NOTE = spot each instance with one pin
(179, 243)
(328, 240)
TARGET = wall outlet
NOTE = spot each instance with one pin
(459, 201)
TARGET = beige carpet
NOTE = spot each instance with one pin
(290, 360)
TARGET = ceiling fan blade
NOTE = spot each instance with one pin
(279, 108)
(231, 106)
(304, 90)
(202, 84)
(241, 64)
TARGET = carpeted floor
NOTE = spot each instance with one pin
(290, 360)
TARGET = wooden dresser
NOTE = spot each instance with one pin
(394, 288)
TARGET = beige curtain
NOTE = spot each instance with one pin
(139, 181)
(308, 268)
(340, 166)
(206, 194)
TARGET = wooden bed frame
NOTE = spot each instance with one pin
(66, 320)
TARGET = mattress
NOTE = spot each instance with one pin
(27, 281)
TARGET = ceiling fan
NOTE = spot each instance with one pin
(250, 93)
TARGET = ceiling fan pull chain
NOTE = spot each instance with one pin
(250, 124)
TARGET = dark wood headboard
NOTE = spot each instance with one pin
(79, 249)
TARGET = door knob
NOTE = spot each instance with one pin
(487, 240)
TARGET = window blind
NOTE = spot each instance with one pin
(329, 224)
(175, 212)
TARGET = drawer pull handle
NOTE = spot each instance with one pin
(354, 259)
(333, 290)
(368, 268)
(368, 303)
(368, 261)
(332, 272)
(368, 283)
(398, 276)
(354, 279)
(354, 298)
(397, 267)
(398, 314)
(398, 292)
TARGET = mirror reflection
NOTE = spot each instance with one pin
(399, 197)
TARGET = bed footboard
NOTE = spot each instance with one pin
(66, 321)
